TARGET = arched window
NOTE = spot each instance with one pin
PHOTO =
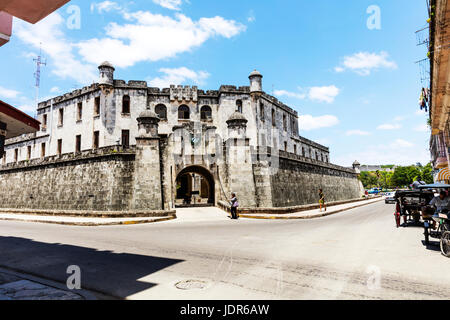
(206, 113)
(184, 113)
(126, 104)
(239, 106)
(161, 111)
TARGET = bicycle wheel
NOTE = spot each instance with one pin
(445, 244)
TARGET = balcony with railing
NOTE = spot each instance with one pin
(438, 149)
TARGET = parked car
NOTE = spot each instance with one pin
(375, 191)
(390, 198)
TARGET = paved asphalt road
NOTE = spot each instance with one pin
(337, 257)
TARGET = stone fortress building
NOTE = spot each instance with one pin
(119, 145)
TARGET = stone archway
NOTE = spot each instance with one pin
(195, 186)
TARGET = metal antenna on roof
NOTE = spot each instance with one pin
(37, 74)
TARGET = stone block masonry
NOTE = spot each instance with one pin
(99, 180)
(297, 182)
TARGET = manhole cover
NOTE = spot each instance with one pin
(191, 285)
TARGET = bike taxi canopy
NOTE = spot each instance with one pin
(435, 186)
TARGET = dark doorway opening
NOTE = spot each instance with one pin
(195, 186)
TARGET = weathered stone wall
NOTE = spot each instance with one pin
(298, 180)
(99, 180)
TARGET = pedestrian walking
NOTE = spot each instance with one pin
(322, 200)
(234, 206)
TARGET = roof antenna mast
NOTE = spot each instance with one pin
(37, 75)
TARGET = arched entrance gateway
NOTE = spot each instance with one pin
(195, 186)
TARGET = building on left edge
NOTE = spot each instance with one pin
(14, 123)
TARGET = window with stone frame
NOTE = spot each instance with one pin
(126, 104)
(29, 153)
(184, 113)
(274, 119)
(97, 107)
(44, 122)
(78, 144)
(60, 117)
(295, 149)
(96, 140)
(16, 155)
(161, 111)
(262, 113)
(285, 146)
(43, 150)
(239, 106)
(59, 149)
(303, 152)
(79, 111)
(284, 122)
(125, 138)
(206, 113)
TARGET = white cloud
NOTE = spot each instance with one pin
(27, 108)
(178, 76)
(422, 128)
(55, 90)
(105, 6)
(308, 122)
(399, 152)
(146, 37)
(251, 16)
(364, 62)
(389, 126)
(284, 93)
(8, 93)
(169, 4)
(357, 133)
(323, 94)
(399, 118)
(420, 112)
(400, 143)
(152, 37)
(48, 32)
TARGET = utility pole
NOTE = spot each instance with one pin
(37, 76)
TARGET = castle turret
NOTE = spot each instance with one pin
(256, 82)
(356, 166)
(239, 159)
(106, 76)
(147, 194)
(237, 126)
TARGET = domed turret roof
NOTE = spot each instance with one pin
(148, 114)
(106, 64)
(237, 116)
(255, 73)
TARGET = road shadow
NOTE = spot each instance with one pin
(114, 274)
(432, 245)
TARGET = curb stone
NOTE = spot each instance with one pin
(94, 224)
(306, 217)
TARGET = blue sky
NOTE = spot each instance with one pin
(356, 89)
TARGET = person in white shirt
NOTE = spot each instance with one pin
(442, 202)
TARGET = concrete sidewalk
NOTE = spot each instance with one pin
(82, 221)
(16, 286)
(311, 214)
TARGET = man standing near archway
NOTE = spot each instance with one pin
(234, 206)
